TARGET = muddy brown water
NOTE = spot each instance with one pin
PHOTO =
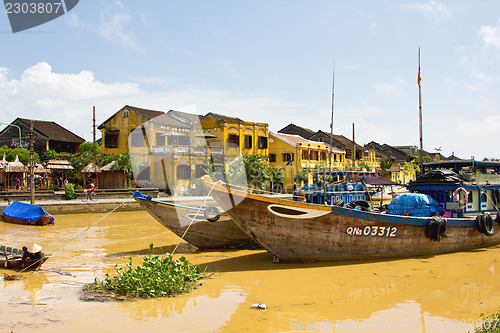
(445, 293)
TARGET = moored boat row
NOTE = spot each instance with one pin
(298, 231)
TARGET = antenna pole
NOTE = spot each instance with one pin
(420, 116)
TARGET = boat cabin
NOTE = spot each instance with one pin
(463, 188)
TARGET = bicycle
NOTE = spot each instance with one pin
(86, 196)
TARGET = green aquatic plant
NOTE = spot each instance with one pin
(155, 277)
(489, 323)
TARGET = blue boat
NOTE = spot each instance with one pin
(24, 213)
(462, 188)
(342, 187)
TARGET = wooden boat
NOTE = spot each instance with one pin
(298, 231)
(210, 227)
(24, 213)
(11, 258)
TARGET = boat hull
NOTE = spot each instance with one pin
(202, 233)
(44, 220)
(27, 214)
(294, 231)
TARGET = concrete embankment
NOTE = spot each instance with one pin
(76, 206)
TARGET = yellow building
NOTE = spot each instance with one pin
(116, 129)
(371, 160)
(169, 149)
(232, 137)
(294, 153)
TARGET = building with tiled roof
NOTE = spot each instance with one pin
(47, 135)
(306, 133)
(293, 153)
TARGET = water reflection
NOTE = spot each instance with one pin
(426, 291)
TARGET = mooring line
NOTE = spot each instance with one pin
(85, 230)
(194, 217)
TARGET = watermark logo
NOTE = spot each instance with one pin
(26, 14)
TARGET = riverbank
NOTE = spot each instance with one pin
(107, 201)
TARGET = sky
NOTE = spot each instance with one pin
(269, 61)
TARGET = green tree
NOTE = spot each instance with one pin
(88, 147)
(278, 175)
(300, 176)
(411, 167)
(123, 162)
(257, 170)
(428, 159)
(385, 166)
(23, 154)
(364, 165)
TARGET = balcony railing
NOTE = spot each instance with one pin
(199, 150)
(183, 149)
(217, 150)
(161, 149)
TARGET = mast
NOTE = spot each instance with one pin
(93, 130)
(32, 165)
(331, 122)
(353, 149)
(420, 116)
(331, 133)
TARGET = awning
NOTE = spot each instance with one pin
(59, 165)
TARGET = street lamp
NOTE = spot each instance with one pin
(19, 128)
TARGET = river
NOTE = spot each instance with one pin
(445, 293)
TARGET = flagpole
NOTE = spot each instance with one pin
(420, 116)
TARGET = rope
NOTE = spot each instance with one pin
(85, 230)
(194, 217)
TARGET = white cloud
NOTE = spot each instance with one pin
(432, 10)
(490, 35)
(112, 25)
(394, 88)
(68, 99)
(64, 98)
(225, 65)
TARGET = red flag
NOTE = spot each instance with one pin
(419, 78)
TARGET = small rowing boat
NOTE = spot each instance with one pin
(24, 213)
(11, 258)
(208, 226)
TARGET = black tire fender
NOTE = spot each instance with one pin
(211, 210)
(436, 229)
(480, 223)
(489, 225)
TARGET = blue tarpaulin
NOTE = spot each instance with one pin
(25, 212)
(416, 204)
